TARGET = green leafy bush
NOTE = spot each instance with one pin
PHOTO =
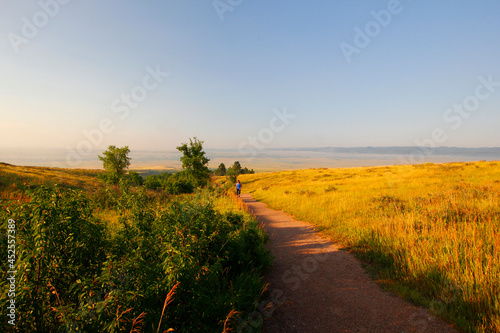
(75, 276)
(58, 241)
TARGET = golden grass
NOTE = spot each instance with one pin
(12, 178)
(431, 231)
(229, 204)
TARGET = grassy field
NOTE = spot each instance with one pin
(14, 179)
(430, 232)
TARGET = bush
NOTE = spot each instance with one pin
(75, 276)
(152, 182)
(179, 183)
(58, 242)
(135, 178)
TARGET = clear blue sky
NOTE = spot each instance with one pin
(225, 77)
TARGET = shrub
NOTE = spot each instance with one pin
(152, 182)
(58, 242)
(73, 275)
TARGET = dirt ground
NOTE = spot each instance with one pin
(316, 287)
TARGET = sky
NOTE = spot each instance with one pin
(241, 74)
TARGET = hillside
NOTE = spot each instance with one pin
(13, 179)
(430, 232)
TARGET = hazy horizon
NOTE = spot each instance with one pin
(264, 160)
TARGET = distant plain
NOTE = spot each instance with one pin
(260, 161)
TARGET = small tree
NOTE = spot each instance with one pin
(194, 162)
(115, 161)
(232, 175)
(247, 171)
(221, 170)
(234, 171)
(237, 167)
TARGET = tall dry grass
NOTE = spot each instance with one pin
(430, 232)
(14, 179)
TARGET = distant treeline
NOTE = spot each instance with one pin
(404, 150)
(233, 171)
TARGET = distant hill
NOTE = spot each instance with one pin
(265, 159)
(404, 150)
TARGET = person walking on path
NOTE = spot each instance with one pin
(238, 188)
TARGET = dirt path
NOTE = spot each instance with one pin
(324, 289)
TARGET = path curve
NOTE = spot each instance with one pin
(316, 287)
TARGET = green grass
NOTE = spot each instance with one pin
(430, 232)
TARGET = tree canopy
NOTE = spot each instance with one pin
(235, 170)
(194, 161)
(115, 161)
(221, 170)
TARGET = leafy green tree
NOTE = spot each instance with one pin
(221, 170)
(232, 174)
(234, 171)
(247, 171)
(237, 167)
(115, 161)
(194, 162)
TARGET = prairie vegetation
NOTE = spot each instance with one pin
(92, 257)
(14, 180)
(430, 232)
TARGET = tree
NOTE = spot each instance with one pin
(247, 171)
(236, 167)
(221, 170)
(115, 161)
(235, 170)
(194, 162)
(232, 175)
